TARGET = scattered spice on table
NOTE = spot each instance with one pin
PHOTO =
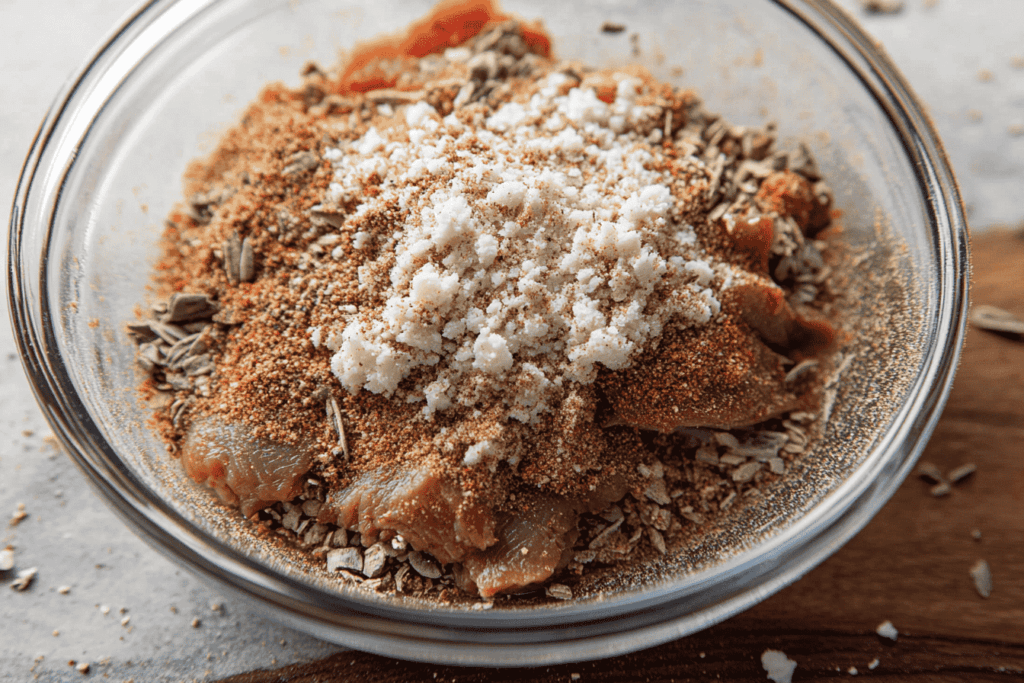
(19, 515)
(7, 559)
(24, 579)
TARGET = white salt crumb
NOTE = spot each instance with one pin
(477, 453)
(887, 630)
(981, 574)
(873, 664)
(780, 668)
(545, 249)
(852, 671)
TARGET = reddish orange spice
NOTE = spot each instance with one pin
(790, 194)
(606, 93)
(450, 23)
(273, 93)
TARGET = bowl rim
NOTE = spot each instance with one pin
(481, 637)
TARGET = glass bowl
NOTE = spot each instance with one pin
(106, 166)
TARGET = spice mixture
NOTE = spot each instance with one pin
(462, 315)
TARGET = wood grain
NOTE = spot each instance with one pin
(910, 565)
(729, 655)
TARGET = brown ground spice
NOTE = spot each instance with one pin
(254, 196)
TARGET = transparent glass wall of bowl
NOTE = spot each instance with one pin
(176, 79)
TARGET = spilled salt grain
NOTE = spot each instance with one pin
(981, 574)
(887, 630)
(780, 668)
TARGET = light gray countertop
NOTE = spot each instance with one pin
(129, 611)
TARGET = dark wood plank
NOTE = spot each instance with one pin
(729, 655)
(910, 565)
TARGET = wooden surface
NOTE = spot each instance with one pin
(910, 565)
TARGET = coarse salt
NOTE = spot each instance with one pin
(779, 667)
(887, 630)
(534, 258)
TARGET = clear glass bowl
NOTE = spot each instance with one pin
(106, 167)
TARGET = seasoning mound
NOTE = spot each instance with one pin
(534, 248)
(442, 298)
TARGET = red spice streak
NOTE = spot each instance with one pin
(450, 23)
(606, 92)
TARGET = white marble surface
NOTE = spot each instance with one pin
(958, 55)
(70, 535)
(965, 61)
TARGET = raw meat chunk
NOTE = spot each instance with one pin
(243, 470)
(432, 513)
(532, 544)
